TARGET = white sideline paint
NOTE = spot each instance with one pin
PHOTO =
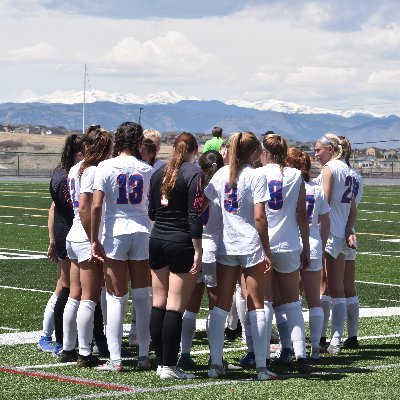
(12, 223)
(26, 251)
(25, 290)
(378, 283)
(10, 339)
(368, 253)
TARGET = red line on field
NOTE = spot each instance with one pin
(65, 378)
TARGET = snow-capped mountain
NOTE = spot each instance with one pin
(171, 97)
(76, 97)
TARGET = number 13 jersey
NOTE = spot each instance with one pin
(125, 182)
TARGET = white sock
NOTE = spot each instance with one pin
(70, 329)
(188, 329)
(103, 304)
(259, 334)
(233, 316)
(140, 297)
(268, 321)
(241, 308)
(296, 326)
(353, 315)
(248, 333)
(216, 334)
(326, 304)
(338, 319)
(316, 319)
(84, 321)
(48, 316)
(283, 328)
(208, 321)
(133, 315)
(116, 307)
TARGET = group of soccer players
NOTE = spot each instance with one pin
(248, 221)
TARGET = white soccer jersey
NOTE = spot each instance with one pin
(78, 185)
(125, 182)
(239, 235)
(212, 226)
(284, 188)
(342, 194)
(358, 185)
(316, 205)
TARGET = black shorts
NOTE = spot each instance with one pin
(60, 235)
(177, 255)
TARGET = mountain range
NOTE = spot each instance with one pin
(168, 111)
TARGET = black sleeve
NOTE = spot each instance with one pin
(195, 202)
(152, 205)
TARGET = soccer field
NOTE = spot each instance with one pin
(27, 280)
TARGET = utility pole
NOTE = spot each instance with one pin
(140, 114)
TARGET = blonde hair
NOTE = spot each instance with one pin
(330, 139)
(243, 149)
(184, 144)
(152, 134)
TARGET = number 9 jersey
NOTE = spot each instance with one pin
(125, 182)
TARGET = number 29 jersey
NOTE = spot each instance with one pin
(284, 188)
(239, 235)
(125, 182)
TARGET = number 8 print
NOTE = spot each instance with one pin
(231, 201)
(276, 194)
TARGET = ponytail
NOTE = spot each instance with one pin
(73, 145)
(300, 160)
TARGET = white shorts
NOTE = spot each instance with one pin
(334, 245)
(315, 265)
(133, 246)
(79, 251)
(208, 256)
(286, 262)
(244, 260)
(208, 274)
(349, 254)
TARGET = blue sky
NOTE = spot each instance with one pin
(334, 54)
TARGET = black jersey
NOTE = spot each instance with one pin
(63, 211)
(180, 219)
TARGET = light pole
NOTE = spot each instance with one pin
(140, 114)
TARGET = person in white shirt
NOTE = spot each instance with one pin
(287, 215)
(318, 219)
(86, 276)
(352, 300)
(122, 182)
(210, 162)
(242, 192)
(337, 183)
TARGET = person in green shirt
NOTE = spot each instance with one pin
(216, 142)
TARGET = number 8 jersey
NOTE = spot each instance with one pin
(125, 182)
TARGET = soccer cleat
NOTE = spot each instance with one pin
(351, 343)
(231, 334)
(159, 369)
(175, 373)
(112, 366)
(315, 354)
(186, 362)
(323, 345)
(230, 367)
(143, 364)
(264, 374)
(248, 361)
(286, 356)
(303, 366)
(216, 371)
(334, 350)
(87, 361)
(57, 349)
(65, 356)
(46, 344)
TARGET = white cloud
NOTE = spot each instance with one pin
(164, 55)
(385, 80)
(40, 52)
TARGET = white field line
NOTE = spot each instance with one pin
(24, 251)
(225, 382)
(378, 283)
(392, 301)
(378, 220)
(9, 339)
(368, 253)
(25, 290)
(22, 196)
(6, 328)
(380, 204)
(22, 192)
(13, 223)
(378, 212)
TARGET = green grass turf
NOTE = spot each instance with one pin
(23, 310)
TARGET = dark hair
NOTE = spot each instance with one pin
(243, 146)
(128, 137)
(210, 162)
(300, 160)
(73, 145)
(151, 148)
(184, 144)
(98, 144)
(217, 131)
(346, 146)
(277, 147)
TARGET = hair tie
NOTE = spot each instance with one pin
(214, 164)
